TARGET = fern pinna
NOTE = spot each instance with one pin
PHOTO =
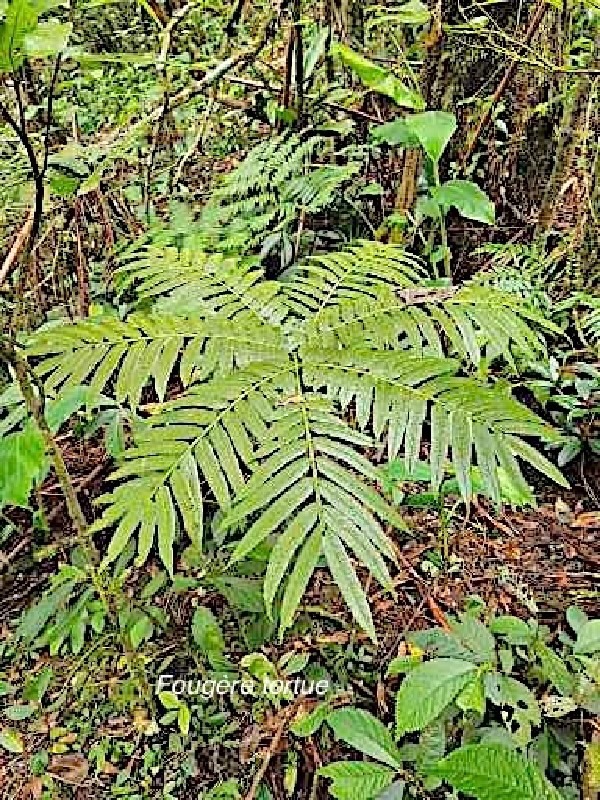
(271, 391)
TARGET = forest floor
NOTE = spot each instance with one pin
(533, 563)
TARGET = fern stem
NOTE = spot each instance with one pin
(443, 229)
(35, 406)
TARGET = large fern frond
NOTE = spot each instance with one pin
(263, 428)
(123, 356)
(396, 394)
(209, 435)
(467, 323)
(188, 281)
(313, 491)
(365, 271)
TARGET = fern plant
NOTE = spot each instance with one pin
(270, 392)
(590, 323)
(259, 201)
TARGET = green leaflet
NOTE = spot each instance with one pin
(430, 129)
(48, 39)
(366, 551)
(412, 12)
(12, 741)
(121, 537)
(181, 446)
(141, 630)
(283, 552)
(427, 690)
(515, 630)
(433, 130)
(378, 78)
(298, 580)
(23, 464)
(486, 460)
(244, 594)
(308, 723)
(440, 439)
(393, 792)
(397, 133)
(537, 460)
(147, 532)
(365, 733)
(461, 451)
(36, 617)
(347, 582)
(357, 780)
(588, 637)
(165, 527)
(187, 493)
(468, 199)
(211, 468)
(20, 19)
(494, 772)
(207, 633)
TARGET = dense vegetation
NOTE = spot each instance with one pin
(299, 393)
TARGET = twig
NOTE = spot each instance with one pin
(265, 87)
(21, 240)
(29, 231)
(51, 91)
(235, 17)
(83, 302)
(26, 379)
(298, 62)
(166, 41)
(272, 749)
(496, 523)
(38, 177)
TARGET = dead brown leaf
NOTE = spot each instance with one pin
(590, 519)
(69, 767)
(32, 789)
